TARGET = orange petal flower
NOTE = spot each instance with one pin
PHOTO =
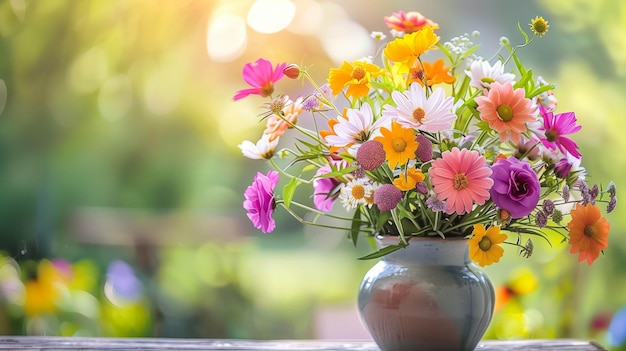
(506, 110)
(435, 72)
(356, 76)
(406, 182)
(588, 232)
(399, 144)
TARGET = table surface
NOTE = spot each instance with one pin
(82, 343)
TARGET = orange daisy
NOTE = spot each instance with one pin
(506, 110)
(409, 47)
(435, 73)
(399, 144)
(356, 76)
(408, 181)
(588, 232)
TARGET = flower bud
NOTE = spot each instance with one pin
(292, 71)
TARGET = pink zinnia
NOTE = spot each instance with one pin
(461, 178)
(506, 110)
(261, 77)
(556, 127)
(259, 201)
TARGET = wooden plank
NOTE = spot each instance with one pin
(83, 343)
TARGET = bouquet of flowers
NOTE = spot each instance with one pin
(426, 138)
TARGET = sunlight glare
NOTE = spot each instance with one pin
(271, 16)
(226, 38)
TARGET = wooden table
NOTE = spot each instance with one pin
(80, 343)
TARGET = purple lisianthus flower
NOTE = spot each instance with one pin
(259, 201)
(515, 187)
(556, 127)
(324, 193)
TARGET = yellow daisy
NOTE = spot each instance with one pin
(484, 247)
(399, 144)
(409, 47)
(539, 26)
(356, 76)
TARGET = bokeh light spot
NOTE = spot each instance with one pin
(271, 16)
(226, 38)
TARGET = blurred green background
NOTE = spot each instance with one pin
(121, 182)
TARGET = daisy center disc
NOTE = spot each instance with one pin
(358, 73)
(590, 231)
(460, 181)
(505, 112)
(398, 144)
(419, 114)
(485, 243)
(358, 192)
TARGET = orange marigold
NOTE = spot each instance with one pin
(588, 232)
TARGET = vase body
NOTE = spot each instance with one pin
(427, 296)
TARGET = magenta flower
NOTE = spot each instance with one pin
(556, 127)
(259, 201)
(516, 187)
(261, 77)
(324, 190)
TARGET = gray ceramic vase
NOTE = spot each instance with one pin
(427, 296)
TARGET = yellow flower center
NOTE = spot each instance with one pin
(398, 144)
(358, 73)
(539, 25)
(487, 80)
(460, 181)
(267, 89)
(552, 135)
(419, 114)
(485, 243)
(590, 231)
(358, 192)
(505, 112)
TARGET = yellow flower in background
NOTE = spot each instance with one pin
(356, 76)
(484, 247)
(409, 47)
(41, 293)
(539, 26)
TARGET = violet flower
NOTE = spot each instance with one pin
(259, 201)
(516, 187)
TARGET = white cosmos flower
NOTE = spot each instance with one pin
(262, 150)
(356, 128)
(483, 74)
(414, 110)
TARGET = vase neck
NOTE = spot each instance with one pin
(451, 252)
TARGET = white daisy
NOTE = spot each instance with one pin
(483, 74)
(358, 127)
(415, 110)
(262, 150)
(358, 191)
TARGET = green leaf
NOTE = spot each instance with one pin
(289, 190)
(355, 228)
(521, 30)
(382, 252)
(338, 173)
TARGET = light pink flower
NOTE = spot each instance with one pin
(261, 77)
(461, 178)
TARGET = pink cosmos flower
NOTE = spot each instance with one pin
(461, 177)
(408, 22)
(556, 127)
(506, 110)
(261, 77)
(325, 189)
(259, 201)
